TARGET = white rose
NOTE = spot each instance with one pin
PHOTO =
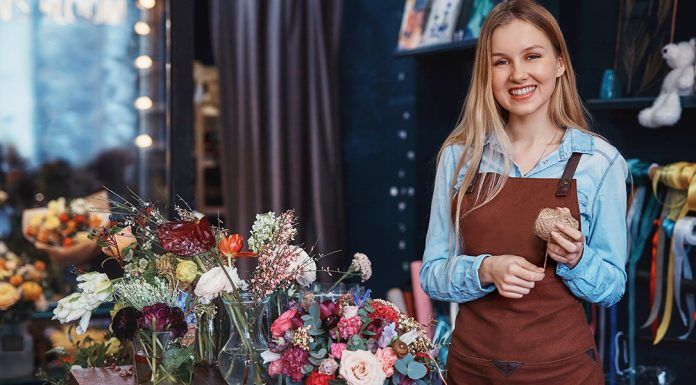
(214, 281)
(303, 267)
(361, 368)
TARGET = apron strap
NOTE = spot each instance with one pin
(567, 177)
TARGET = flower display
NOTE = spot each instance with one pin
(21, 290)
(371, 341)
(63, 223)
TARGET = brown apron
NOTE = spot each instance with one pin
(542, 338)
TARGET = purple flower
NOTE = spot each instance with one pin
(125, 323)
(388, 334)
(161, 318)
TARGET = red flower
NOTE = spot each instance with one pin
(384, 312)
(316, 378)
(186, 239)
(230, 245)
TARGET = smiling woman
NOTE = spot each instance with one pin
(523, 140)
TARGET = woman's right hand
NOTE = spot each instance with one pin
(512, 275)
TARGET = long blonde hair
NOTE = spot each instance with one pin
(482, 116)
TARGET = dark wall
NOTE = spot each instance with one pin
(431, 92)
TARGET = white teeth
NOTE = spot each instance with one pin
(523, 91)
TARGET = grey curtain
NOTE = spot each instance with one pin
(280, 138)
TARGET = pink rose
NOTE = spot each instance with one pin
(283, 323)
(388, 358)
(275, 368)
(337, 350)
(361, 368)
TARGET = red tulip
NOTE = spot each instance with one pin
(230, 245)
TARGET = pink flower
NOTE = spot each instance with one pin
(275, 368)
(283, 323)
(349, 327)
(293, 360)
(337, 350)
(388, 358)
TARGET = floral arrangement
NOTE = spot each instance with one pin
(21, 286)
(173, 270)
(353, 340)
(62, 223)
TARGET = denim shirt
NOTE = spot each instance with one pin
(598, 277)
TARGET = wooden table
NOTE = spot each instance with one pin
(205, 375)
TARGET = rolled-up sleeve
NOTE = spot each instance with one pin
(458, 280)
(600, 275)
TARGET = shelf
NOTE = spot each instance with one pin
(437, 48)
(632, 103)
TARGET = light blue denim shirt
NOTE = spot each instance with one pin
(599, 276)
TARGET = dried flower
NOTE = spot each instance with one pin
(138, 292)
(186, 271)
(301, 338)
(165, 264)
(400, 348)
(362, 265)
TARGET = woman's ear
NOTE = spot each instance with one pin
(560, 67)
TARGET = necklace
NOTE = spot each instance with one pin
(544, 152)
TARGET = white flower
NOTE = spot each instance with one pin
(262, 230)
(214, 281)
(350, 311)
(361, 367)
(303, 267)
(269, 356)
(361, 263)
(57, 206)
(409, 337)
(79, 206)
(96, 288)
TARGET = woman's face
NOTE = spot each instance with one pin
(524, 70)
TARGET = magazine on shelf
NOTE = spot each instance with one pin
(412, 23)
(442, 21)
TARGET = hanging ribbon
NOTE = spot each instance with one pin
(684, 236)
(677, 177)
(642, 212)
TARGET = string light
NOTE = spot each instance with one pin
(142, 28)
(143, 62)
(143, 141)
(143, 103)
(147, 4)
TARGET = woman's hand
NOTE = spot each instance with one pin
(566, 249)
(513, 276)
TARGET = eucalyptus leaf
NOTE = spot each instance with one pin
(319, 354)
(416, 370)
(401, 366)
(306, 369)
(314, 310)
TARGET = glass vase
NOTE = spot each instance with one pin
(240, 359)
(152, 364)
(206, 340)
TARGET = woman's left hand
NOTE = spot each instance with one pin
(567, 250)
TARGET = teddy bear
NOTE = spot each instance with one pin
(666, 109)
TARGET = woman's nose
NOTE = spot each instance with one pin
(518, 73)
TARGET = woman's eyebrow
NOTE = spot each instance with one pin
(536, 46)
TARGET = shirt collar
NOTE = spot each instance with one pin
(574, 140)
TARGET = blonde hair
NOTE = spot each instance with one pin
(482, 116)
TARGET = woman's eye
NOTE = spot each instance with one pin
(501, 62)
(532, 57)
